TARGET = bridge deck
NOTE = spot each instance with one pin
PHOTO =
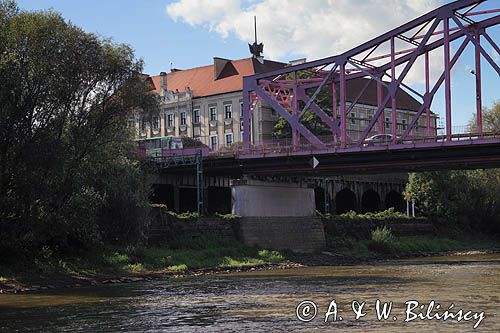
(422, 155)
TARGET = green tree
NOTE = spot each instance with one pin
(310, 120)
(466, 198)
(491, 119)
(69, 178)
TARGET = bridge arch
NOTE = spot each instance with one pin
(345, 200)
(395, 200)
(370, 201)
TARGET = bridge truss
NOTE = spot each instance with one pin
(163, 163)
(385, 61)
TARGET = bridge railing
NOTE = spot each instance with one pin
(285, 147)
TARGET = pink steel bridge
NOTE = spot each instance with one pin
(385, 61)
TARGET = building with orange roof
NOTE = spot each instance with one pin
(205, 102)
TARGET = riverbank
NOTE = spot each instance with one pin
(130, 264)
(115, 265)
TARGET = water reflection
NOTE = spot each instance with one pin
(263, 301)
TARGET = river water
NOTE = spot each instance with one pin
(266, 301)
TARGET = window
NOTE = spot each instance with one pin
(156, 123)
(228, 111)
(241, 124)
(170, 120)
(403, 124)
(196, 116)
(213, 142)
(241, 108)
(353, 118)
(183, 118)
(229, 139)
(144, 125)
(213, 113)
(387, 122)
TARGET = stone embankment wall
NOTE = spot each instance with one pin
(300, 234)
(166, 228)
(361, 228)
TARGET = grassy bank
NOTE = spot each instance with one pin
(186, 256)
(117, 261)
(407, 246)
(370, 235)
(208, 255)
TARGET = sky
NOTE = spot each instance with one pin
(189, 33)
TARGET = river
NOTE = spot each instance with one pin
(266, 301)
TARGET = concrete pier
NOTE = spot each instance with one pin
(261, 198)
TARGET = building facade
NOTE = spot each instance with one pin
(205, 103)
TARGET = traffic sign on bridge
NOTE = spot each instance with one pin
(314, 162)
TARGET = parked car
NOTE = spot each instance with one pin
(379, 139)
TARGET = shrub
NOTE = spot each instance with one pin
(159, 206)
(229, 216)
(382, 240)
(390, 213)
(70, 179)
(184, 215)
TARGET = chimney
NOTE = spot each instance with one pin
(163, 83)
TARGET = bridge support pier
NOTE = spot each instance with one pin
(263, 198)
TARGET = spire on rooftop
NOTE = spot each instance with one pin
(256, 48)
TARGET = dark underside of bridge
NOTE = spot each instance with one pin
(362, 162)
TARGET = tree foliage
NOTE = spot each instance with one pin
(68, 174)
(491, 119)
(469, 198)
(309, 119)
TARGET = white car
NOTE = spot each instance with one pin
(379, 139)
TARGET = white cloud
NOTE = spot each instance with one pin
(314, 28)
(291, 28)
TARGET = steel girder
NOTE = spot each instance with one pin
(283, 89)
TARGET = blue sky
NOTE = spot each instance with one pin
(145, 26)
(189, 33)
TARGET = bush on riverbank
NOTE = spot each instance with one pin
(390, 213)
(462, 201)
(381, 240)
(387, 215)
(69, 177)
(360, 226)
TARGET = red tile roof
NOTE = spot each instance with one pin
(201, 80)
